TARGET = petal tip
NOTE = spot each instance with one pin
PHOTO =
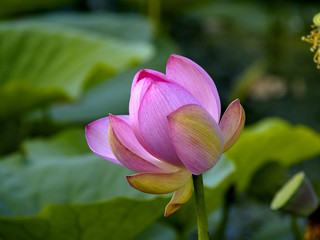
(113, 119)
(232, 123)
(171, 208)
(172, 56)
(179, 198)
(139, 75)
(96, 134)
(90, 125)
(87, 128)
(129, 180)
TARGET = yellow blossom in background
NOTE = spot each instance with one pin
(314, 39)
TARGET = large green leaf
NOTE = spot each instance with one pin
(115, 220)
(128, 27)
(43, 61)
(65, 144)
(57, 169)
(111, 96)
(157, 232)
(272, 140)
(61, 170)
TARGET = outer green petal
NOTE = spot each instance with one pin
(159, 183)
(196, 137)
(232, 123)
(179, 198)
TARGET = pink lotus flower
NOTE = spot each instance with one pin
(173, 130)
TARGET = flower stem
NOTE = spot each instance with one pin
(202, 218)
(296, 229)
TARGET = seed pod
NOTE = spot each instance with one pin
(296, 197)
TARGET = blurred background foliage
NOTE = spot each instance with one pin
(66, 63)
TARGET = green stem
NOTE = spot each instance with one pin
(296, 229)
(202, 218)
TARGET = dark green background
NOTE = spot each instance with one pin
(66, 63)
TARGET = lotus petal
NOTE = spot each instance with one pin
(98, 140)
(196, 138)
(196, 80)
(159, 183)
(148, 74)
(141, 83)
(232, 123)
(127, 149)
(158, 102)
(179, 198)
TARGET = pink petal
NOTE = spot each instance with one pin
(141, 83)
(127, 149)
(179, 198)
(146, 74)
(159, 183)
(98, 140)
(193, 78)
(196, 137)
(232, 123)
(158, 102)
